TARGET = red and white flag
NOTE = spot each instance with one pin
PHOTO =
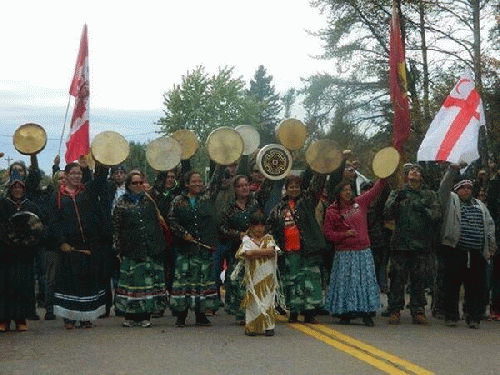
(78, 143)
(454, 133)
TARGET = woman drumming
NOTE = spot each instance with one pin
(353, 290)
(76, 223)
(234, 224)
(139, 239)
(295, 229)
(192, 221)
(17, 254)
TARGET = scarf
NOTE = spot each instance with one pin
(134, 198)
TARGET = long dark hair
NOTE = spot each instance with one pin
(338, 189)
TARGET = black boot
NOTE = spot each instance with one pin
(293, 318)
(181, 319)
(202, 320)
(309, 317)
(345, 319)
(367, 320)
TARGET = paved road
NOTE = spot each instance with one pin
(327, 348)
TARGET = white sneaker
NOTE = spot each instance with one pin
(145, 323)
(128, 323)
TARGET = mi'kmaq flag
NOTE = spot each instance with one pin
(454, 133)
(398, 83)
(78, 143)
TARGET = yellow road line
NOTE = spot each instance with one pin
(382, 360)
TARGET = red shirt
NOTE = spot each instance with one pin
(292, 233)
(353, 216)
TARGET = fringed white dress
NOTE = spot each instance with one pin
(261, 285)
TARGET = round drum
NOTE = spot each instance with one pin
(25, 228)
(188, 140)
(292, 134)
(164, 153)
(385, 162)
(224, 145)
(30, 139)
(110, 148)
(323, 156)
(251, 138)
(274, 161)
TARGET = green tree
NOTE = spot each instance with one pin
(442, 38)
(204, 102)
(288, 101)
(137, 160)
(262, 93)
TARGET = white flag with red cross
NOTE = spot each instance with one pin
(454, 133)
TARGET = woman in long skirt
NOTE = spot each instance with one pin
(294, 227)
(139, 239)
(192, 220)
(17, 253)
(76, 224)
(353, 290)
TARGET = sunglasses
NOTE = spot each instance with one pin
(137, 183)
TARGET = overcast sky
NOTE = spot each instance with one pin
(138, 51)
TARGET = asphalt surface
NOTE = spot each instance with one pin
(109, 348)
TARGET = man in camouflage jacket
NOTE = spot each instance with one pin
(417, 213)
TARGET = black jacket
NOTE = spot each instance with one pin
(137, 231)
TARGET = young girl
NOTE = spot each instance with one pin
(258, 254)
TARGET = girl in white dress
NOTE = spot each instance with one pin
(258, 254)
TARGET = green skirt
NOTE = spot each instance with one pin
(141, 287)
(235, 291)
(194, 285)
(301, 283)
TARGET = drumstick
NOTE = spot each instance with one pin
(86, 252)
(202, 244)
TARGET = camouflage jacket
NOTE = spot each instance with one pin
(417, 214)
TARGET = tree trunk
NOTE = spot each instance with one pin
(426, 109)
(477, 44)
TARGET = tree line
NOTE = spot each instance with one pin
(351, 104)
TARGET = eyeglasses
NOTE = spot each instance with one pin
(137, 183)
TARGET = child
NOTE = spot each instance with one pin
(258, 254)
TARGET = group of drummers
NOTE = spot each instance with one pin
(299, 245)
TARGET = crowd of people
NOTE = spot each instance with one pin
(302, 246)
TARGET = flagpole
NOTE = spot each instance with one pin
(64, 126)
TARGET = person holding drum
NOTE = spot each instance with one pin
(292, 223)
(192, 220)
(76, 225)
(20, 232)
(234, 224)
(138, 237)
(353, 290)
